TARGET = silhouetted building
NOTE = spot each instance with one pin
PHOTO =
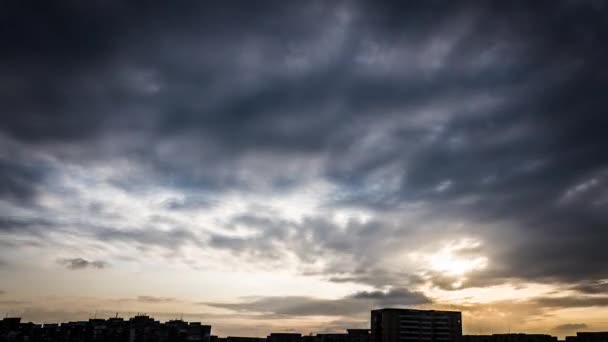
(332, 338)
(243, 339)
(50, 332)
(284, 337)
(198, 332)
(140, 328)
(352, 335)
(358, 335)
(10, 323)
(143, 328)
(401, 325)
(589, 337)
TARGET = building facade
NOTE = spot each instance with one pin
(404, 325)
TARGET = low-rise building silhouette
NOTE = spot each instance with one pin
(242, 339)
(140, 328)
(284, 337)
(332, 338)
(358, 335)
(588, 337)
(352, 335)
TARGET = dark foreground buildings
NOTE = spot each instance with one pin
(387, 325)
(140, 328)
(284, 337)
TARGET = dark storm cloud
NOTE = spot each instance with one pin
(527, 164)
(71, 95)
(80, 263)
(18, 179)
(491, 113)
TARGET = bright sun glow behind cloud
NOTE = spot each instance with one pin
(455, 258)
(448, 259)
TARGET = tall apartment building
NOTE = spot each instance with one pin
(406, 325)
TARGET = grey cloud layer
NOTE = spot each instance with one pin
(358, 304)
(487, 113)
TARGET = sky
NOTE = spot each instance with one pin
(288, 166)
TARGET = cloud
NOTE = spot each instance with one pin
(23, 225)
(353, 305)
(18, 179)
(592, 287)
(421, 124)
(393, 297)
(572, 301)
(154, 300)
(171, 239)
(80, 263)
(569, 327)
(523, 311)
(13, 302)
(188, 203)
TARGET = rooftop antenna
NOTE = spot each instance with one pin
(116, 315)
